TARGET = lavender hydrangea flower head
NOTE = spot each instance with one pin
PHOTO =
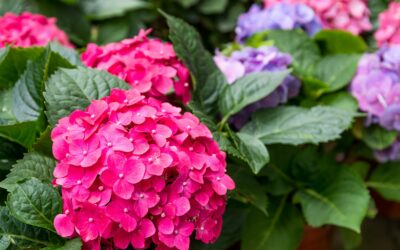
(391, 153)
(280, 16)
(249, 60)
(376, 86)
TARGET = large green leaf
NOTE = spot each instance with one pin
(35, 203)
(247, 90)
(28, 101)
(254, 151)
(377, 137)
(13, 62)
(340, 198)
(33, 164)
(71, 89)
(295, 125)
(385, 179)
(300, 46)
(212, 7)
(248, 189)
(24, 236)
(23, 133)
(337, 70)
(208, 79)
(4, 243)
(17, 6)
(342, 100)
(338, 41)
(99, 9)
(282, 229)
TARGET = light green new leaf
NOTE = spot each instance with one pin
(340, 199)
(377, 137)
(339, 41)
(247, 90)
(337, 70)
(385, 179)
(300, 46)
(71, 89)
(296, 125)
(342, 100)
(208, 79)
(282, 229)
(35, 203)
(33, 164)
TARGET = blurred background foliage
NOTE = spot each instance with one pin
(104, 21)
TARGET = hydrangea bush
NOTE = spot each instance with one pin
(146, 140)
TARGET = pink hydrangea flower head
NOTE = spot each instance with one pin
(148, 65)
(389, 26)
(349, 15)
(134, 171)
(27, 30)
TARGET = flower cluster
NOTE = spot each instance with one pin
(281, 16)
(349, 15)
(148, 65)
(391, 153)
(27, 30)
(250, 60)
(376, 86)
(389, 26)
(134, 170)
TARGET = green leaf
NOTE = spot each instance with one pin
(33, 164)
(341, 100)
(282, 229)
(187, 3)
(386, 181)
(254, 151)
(295, 125)
(74, 244)
(17, 6)
(99, 9)
(300, 46)
(210, 7)
(247, 90)
(338, 42)
(9, 153)
(248, 189)
(208, 79)
(23, 133)
(24, 236)
(69, 54)
(377, 137)
(340, 199)
(43, 144)
(360, 168)
(28, 101)
(35, 203)
(337, 70)
(70, 18)
(350, 239)
(13, 62)
(71, 89)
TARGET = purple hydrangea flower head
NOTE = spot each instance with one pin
(280, 16)
(263, 59)
(391, 153)
(390, 118)
(376, 85)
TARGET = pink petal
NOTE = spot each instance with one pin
(147, 228)
(123, 189)
(182, 206)
(134, 171)
(128, 223)
(122, 144)
(108, 177)
(122, 239)
(166, 226)
(64, 225)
